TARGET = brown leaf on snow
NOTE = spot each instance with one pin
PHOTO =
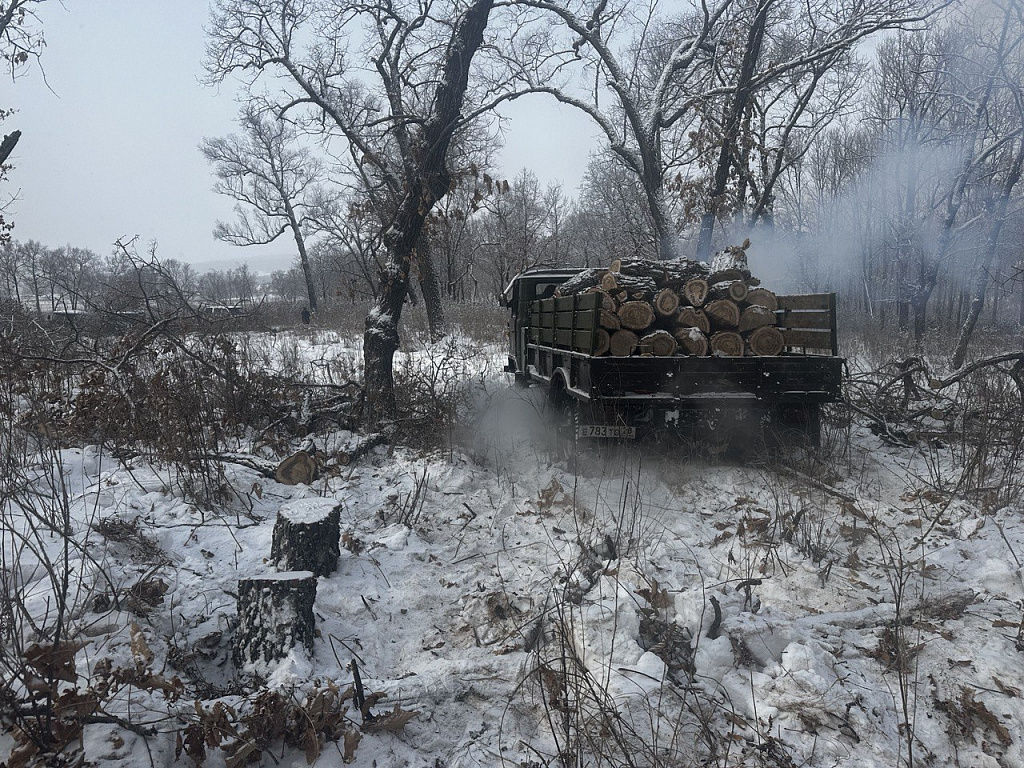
(351, 742)
(393, 722)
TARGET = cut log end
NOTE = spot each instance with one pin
(762, 297)
(602, 342)
(659, 344)
(695, 292)
(609, 320)
(666, 302)
(692, 341)
(689, 317)
(766, 341)
(755, 316)
(723, 313)
(623, 343)
(727, 344)
(636, 315)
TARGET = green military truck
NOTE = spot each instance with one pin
(553, 340)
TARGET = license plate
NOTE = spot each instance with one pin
(603, 430)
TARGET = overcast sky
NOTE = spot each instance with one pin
(109, 140)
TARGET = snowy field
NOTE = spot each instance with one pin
(846, 608)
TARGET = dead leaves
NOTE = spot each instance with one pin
(274, 718)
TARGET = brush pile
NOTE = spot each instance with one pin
(664, 308)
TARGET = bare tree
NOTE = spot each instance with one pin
(274, 182)
(398, 143)
(21, 41)
(663, 73)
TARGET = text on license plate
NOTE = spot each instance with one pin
(604, 430)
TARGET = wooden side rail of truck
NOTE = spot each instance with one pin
(552, 342)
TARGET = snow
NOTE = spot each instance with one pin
(515, 565)
(307, 510)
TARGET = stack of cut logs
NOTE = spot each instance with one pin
(664, 308)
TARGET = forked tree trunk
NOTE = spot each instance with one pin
(428, 183)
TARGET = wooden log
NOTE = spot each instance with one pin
(588, 278)
(659, 344)
(727, 344)
(623, 343)
(695, 292)
(275, 613)
(609, 320)
(762, 297)
(615, 265)
(728, 275)
(631, 283)
(732, 257)
(307, 536)
(673, 273)
(602, 342)
(692, 340)
(607, 302)
(689, 317)
(736, 290)
(299, 468)
(755, 316)
(723, 314)
(666, 302)
(766, 341)
(636, 315)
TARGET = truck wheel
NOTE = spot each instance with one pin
(797, 423)
(564, 415)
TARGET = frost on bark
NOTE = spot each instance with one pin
(275, 613)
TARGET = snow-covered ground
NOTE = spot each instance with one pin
(836, 610)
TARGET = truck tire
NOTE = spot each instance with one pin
(798, 422)
(564, 415)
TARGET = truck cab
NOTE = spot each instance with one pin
(522, 291)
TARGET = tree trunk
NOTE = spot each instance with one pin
(300, 243)
(428, 184)
(733, 122)
(430, 290)
(981, 279)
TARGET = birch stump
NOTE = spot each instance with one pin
(307, 536)
(275, 613)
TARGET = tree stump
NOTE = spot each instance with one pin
(307, 536)
(275, 613)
